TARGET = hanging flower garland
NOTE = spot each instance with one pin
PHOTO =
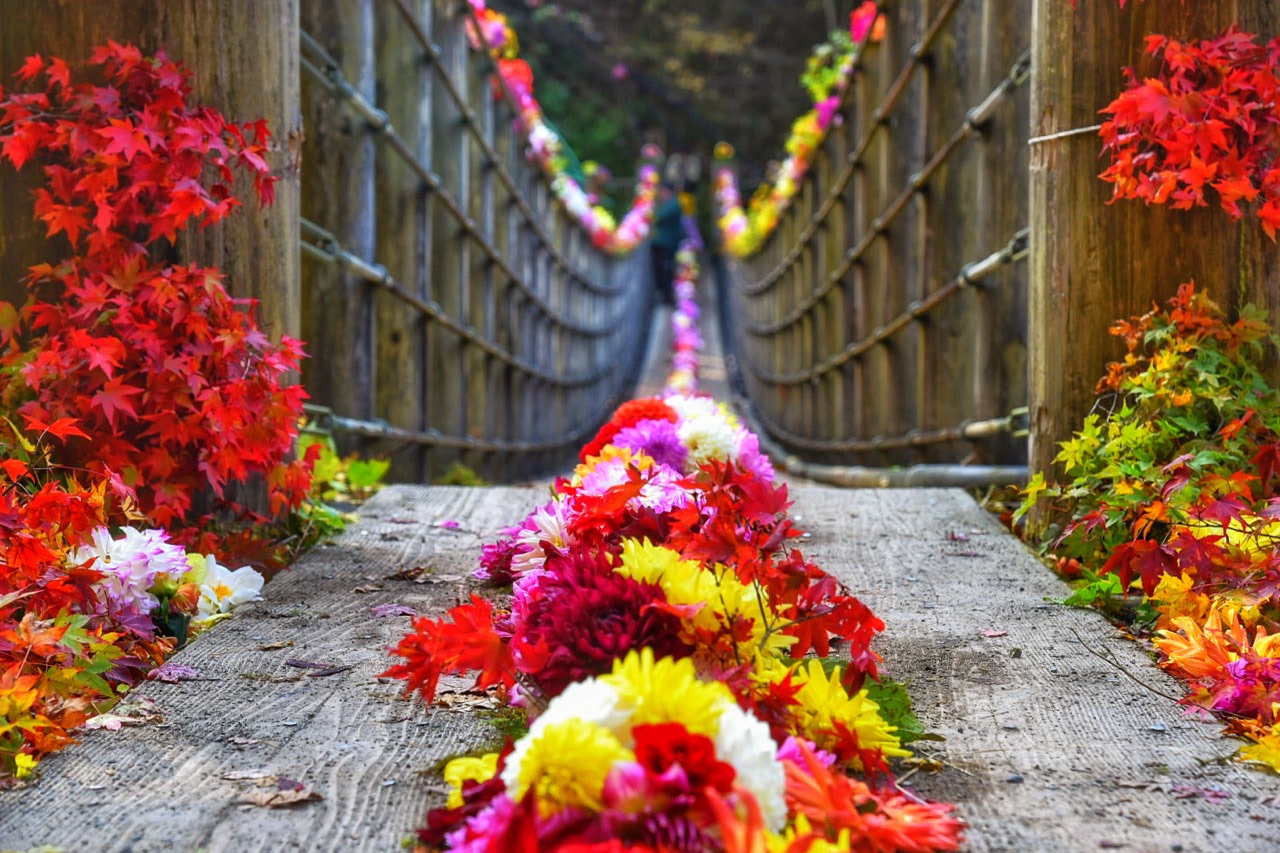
(830, 70)
(489, 30)
(686, 340)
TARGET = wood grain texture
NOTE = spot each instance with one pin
(1101, 759)
(1093, 264)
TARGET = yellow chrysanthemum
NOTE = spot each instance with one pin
(566, 764)
(609, 452)
(824, 702)
(1266, 750)
(723, 598)
(462, 770)
(667, 691)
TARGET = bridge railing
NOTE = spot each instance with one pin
(884, 322)
(452, 310)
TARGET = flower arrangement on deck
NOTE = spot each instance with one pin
(657, 633)
(488, 30)
(744, 230)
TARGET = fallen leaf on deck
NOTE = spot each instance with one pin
(991, 633)
(369, 587)
(466, 700)
(1192, 792)
(318, 669)
(134, 712)
(172, 673)
(411, 573)
(393, 609)
(448, 524)
(111, 722)
(285, 794)
(271, 647)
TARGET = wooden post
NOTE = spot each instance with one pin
(402, 240)
(338, 195)
(245, 60)
(1092, 264)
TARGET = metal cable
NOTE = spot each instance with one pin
(380, 123)
(325, 420)
(971, 128)
(328, 250)
(1015, 250)
(878, 118)
(970, 430)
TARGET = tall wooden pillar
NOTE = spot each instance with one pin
(244, 55)
(1091, 263)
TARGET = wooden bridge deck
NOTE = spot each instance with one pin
(1047, 746)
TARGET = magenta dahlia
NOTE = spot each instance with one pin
(587, 616)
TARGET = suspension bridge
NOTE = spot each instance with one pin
(906, 322)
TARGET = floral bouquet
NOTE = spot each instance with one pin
(662, 568)
(649, 757)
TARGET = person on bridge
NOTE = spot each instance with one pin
(668, 230)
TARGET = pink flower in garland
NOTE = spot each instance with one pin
(827, 109)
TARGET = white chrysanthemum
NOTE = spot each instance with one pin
(130, 565)
(744, 742)
(591, 701)
(687, 407)
(547, 523)
(224, 589)
(707, 437)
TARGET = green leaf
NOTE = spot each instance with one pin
(895, 708)
(366, 473)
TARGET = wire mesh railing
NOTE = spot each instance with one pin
(883, 322)
(454, 311)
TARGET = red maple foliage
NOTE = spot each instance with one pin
(1208, 118)
(172, 388)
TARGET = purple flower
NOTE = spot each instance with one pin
(657, 438)
(826, 109)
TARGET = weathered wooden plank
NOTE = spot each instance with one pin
(1083, 740)
(401, 379)
(338, 194)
